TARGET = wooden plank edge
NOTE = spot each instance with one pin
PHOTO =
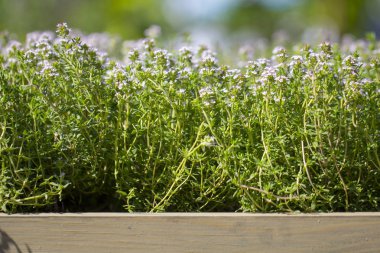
(100, 214)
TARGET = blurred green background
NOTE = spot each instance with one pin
(204, 18)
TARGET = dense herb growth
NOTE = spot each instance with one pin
(178, 131)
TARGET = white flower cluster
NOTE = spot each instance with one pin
(194, 72)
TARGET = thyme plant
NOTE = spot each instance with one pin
(178, 131)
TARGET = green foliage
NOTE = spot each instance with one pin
(128, 18)
(178, 131)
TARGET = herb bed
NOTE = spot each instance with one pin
(178, 131)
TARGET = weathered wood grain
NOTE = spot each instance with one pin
(178, 232)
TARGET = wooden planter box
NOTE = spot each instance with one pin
(190, 232)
